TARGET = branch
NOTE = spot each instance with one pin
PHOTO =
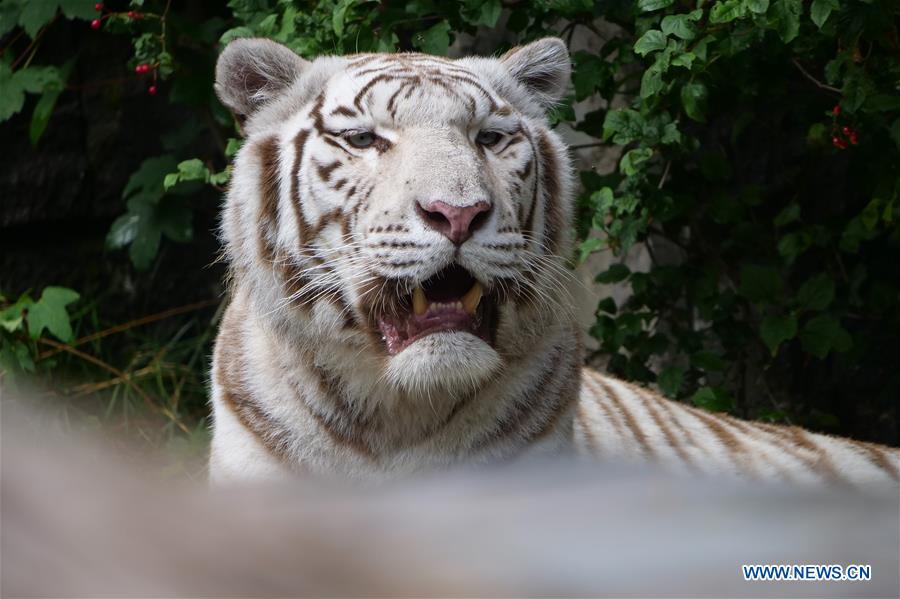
(127, 378)
(818, 83)
(131, 324)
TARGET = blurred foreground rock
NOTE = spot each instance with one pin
(77, 521)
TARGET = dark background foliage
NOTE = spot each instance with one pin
(759, 169)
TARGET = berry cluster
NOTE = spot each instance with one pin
(846, 134)
(141, 69)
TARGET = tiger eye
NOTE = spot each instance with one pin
(362, 139)
(487, 138)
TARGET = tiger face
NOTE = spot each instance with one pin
(410, 206)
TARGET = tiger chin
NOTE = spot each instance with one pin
(396, 229)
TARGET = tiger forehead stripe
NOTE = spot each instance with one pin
(344, 111)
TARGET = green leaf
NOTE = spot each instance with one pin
(821, 9)
(857, 88)
(232, 147)
(823, 334)
(11, 317)
(693, 99)
(816, 293)
(50, 313)
(591, 72)
(651, 41)
(602, 200)
(684, 60)
(175, 219)
(727, 11)
(588, 247)
(758, 7)
(434, 40)
(78, 9)
(853, 235)
(9, 16)
(14, 355)
(489, 13)
(608, 305)
(708, 361)
(12, 96)
(35, 14)
(616, 273)
(785, 18)
(338, 16)
(43, 110)
(623, 126)
(633, 159)
(871, 213)
(670, 380)
(188, 170)
(671, 135)
(788, 214)
(36, 80)
(760, 284)
(144, 247)
(147, 181)
(651, 5)
(123, 230)
(713, 399)
(235, 33)
(651, 82)
(775, 330)
(793, 244)
(681, 26)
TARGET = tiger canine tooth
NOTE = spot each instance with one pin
(420, 302)
(472, 297)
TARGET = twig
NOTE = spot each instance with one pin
(135, 323)
(818, 83)
(88, 388)
(665, 175)
(125, 377)
(33, 46)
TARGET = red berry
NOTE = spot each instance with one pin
(847, 131)
(836, 110)
(854, 138)
(98, 7)
(133, 14)
(139, 69)
(838, 143)
(95, 24)
(151, 90)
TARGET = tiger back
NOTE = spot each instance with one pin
(396, 230)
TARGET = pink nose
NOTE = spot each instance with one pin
(456, 223)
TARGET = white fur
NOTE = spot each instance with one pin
(331, 396)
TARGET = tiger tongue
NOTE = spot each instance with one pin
(439, 317)
(450, 316)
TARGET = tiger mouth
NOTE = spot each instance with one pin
(451, 300)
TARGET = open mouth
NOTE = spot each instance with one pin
(450, 300)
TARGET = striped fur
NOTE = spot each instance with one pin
(324, 241)
(622, 421)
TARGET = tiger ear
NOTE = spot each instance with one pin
(542, 67)
(253, 71)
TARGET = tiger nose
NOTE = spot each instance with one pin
(456, 223)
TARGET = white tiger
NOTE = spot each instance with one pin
(396, 229)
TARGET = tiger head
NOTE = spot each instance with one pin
(414, 207)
